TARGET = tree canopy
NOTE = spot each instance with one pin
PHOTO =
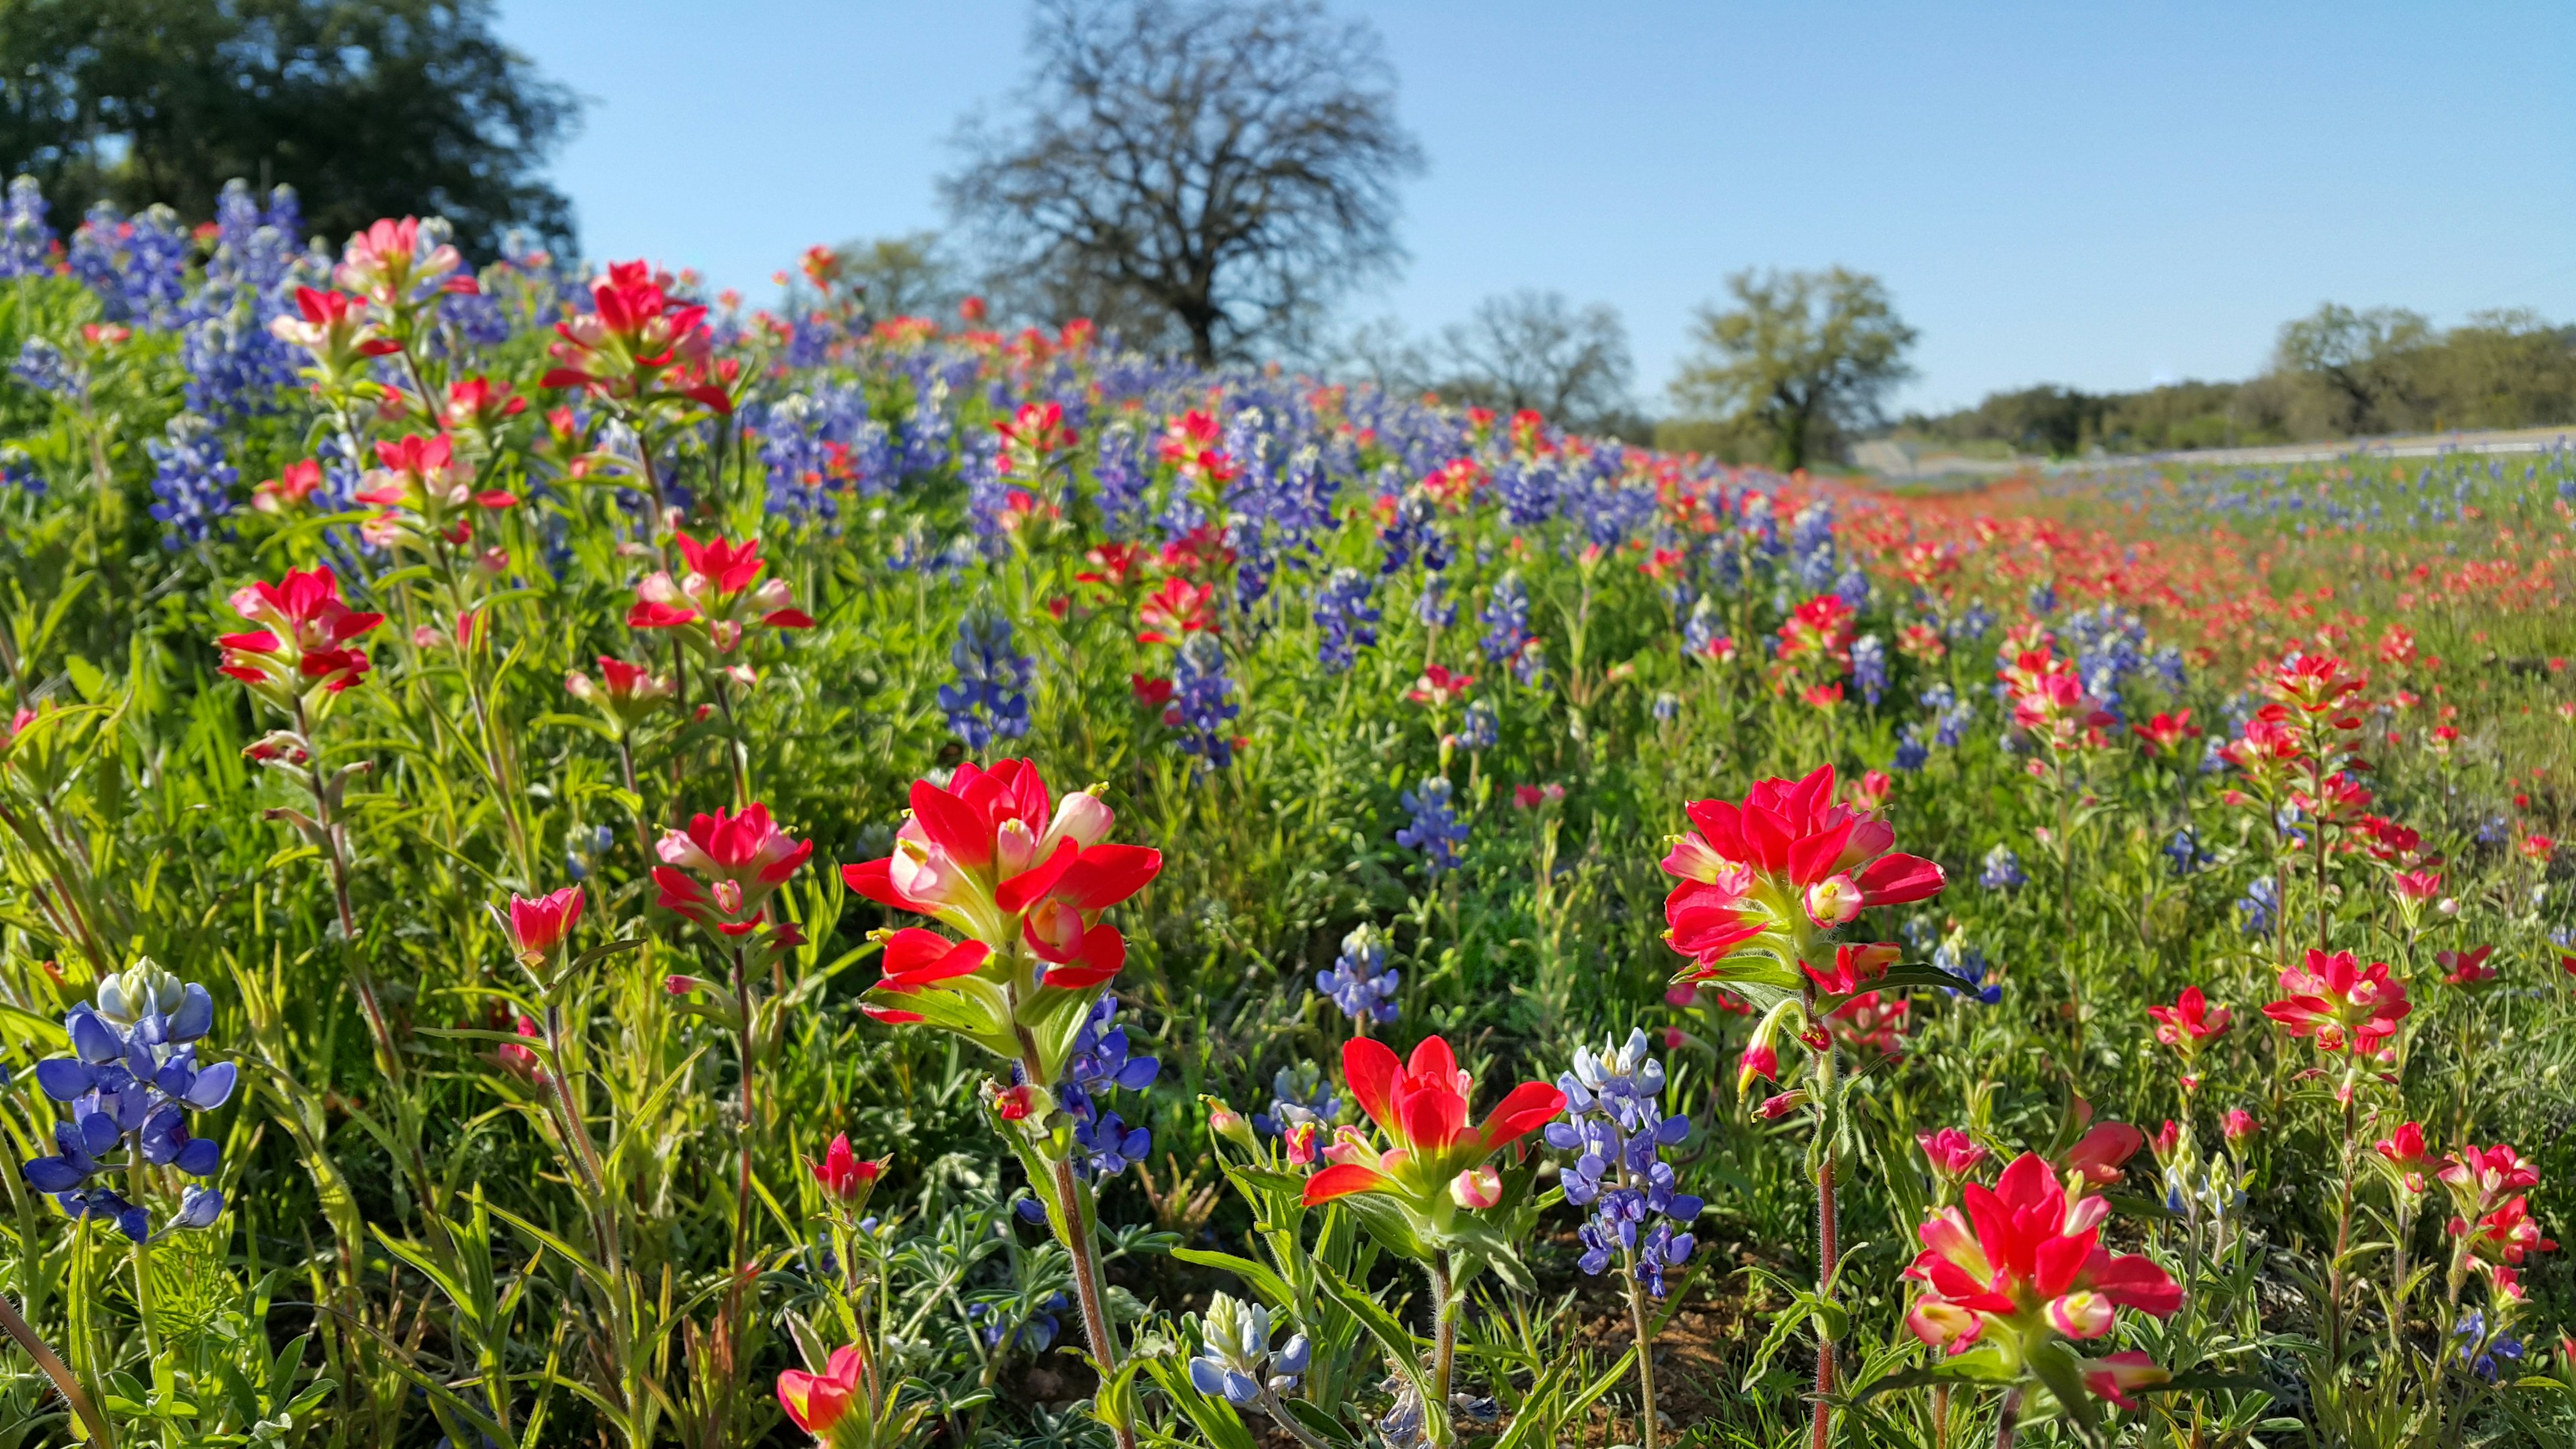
(1800, 357)
(368, 108)
(1220, 170)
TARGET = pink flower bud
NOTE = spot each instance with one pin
(1760, 1063)
(2080, 1315)
(1774, 1108)
(1833, 901)
(1082, 819)
(1476, 1188)
(2239, 1125)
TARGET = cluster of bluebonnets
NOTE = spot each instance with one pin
(586, 577)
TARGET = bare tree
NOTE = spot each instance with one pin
(1233, 165)
(1800, 357)
(1533, 349)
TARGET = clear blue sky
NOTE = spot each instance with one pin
(2099, 195)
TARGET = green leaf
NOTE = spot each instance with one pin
(1980, 1366)
(1274, 1290)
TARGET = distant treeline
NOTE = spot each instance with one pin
(2336, 373)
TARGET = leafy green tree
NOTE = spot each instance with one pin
(1801, 358)
(2366, 362)
(368, 108)
(905, 276)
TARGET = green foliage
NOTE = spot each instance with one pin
(368, 107)
(1802, 358)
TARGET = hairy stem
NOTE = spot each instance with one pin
(58, 1371)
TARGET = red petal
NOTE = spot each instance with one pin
(1369, 1066)
(1529, 1107)
(1016, 893)
(964, 834)
(1104, 952)
(919, 957)
(1895, 880)
(1104, 875)
(786, 866)
(870, 878)
(891, 1016)
(1813, 857)
(788, 619)
(1432, 1119)
(1343, 1179)
(564, 377)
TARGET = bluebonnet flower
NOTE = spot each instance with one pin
(1239, 1365)
(1811, 546)
(18, 471)
(1346, 617)
(1506, 618)
(1360, 982)
(1615, 1125)
(1203, 702)
(2167, 662)
(990, 699)
(1034, 1332)
(190, 478)
(2478, 1351)
(1481, 727)
(1869, 667)
(1298, 1094)
(26, 242)
(2492, 830)
(1961, 958)
(1974, 623)
(2043, 599)
(1530, 667)
(236, 366)
(1911, 752)
(2002, 870)
(42, 366)
(1852, 587)
(1435, 829)
(583, 848)
(1410, 529)
(2259, 905)
(1433, 608)
(1098, 1065)
(1703, 630)
(138, 266)
(2185, 854)
(131, 1080)
(1667, 706)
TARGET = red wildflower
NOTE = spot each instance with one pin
(845, 1176)
(1422, 1108)
(2344, 1005)
(2022, 1258)
(537, 927)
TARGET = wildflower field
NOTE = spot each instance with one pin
(587, 867)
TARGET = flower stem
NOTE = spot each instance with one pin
(1444, 1329)
(1088, 1288)
(1642, 1326)
(1828, 1246)
(2009, 1422)
(56, 1370)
